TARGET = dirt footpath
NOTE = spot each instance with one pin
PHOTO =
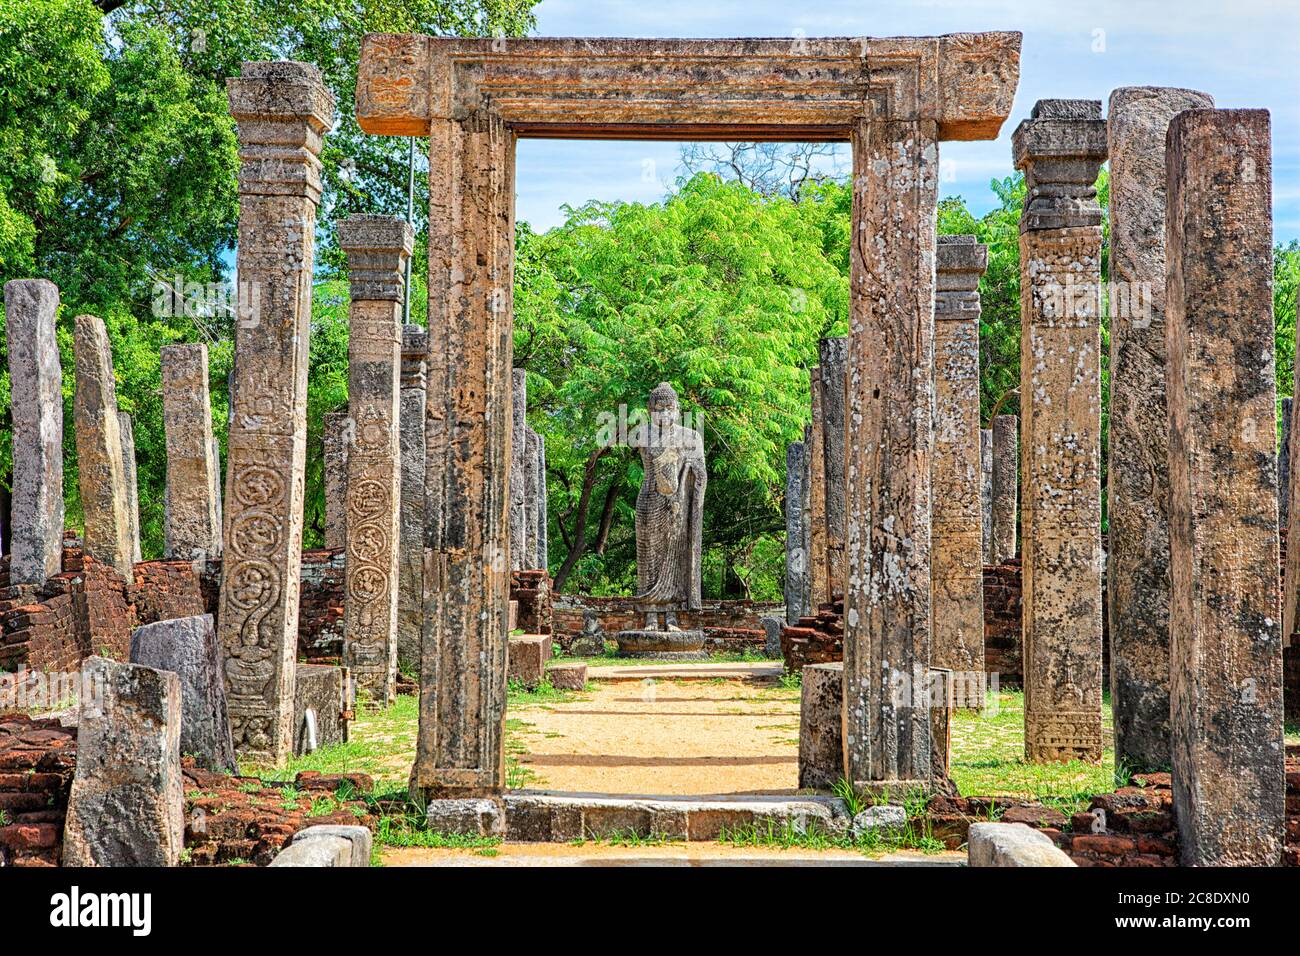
(664, 737)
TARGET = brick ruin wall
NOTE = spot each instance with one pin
(727, 625)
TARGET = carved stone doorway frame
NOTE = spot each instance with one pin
(893, 99)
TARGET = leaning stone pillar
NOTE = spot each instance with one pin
(282, 110)
(1225, 645)
(1060, 148)
(795, 560)
(986, 493)
(1137, 564)
(193, 531)
(834, 356)
(891, 396)
(410, 573)
(102, 477)
(1006, 486)
(336, 440)
(956, 533)
(377, 248)
(818, 569)
(36, 408)
(518, 470)
(130, 475)
(460, 750)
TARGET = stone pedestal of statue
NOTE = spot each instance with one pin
(662, 645)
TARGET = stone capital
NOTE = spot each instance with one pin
(959, 263)
(377, 248)
(1061, 148)
(282, 110)
(415, 353)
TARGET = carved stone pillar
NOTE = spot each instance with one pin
(1137, 563)
(986, 493)
(818, 563)
(1006, 486)
(282, 110)
(529, 454)
(469, 429)
(410, 574)
(336, 439)
(1225, 646)
(1060, 148)
(193, 530)
(891, 401)
(796, 569)
(956, 535)
(518, 470)
(377, 248)
(833, 356)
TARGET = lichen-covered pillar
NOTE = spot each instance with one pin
(336, 440)
(956, 530)
(193, 521)
(469, 429)
(377, 248)
(130, 474)
(36, 408)
(518, 469)
(986, 493)
(833, 355)
(530, 498)
(805, 521)
(282, 110)
(818, 562)
(543, 547)
(891, 401)
(410, 559)
(1225, 645)
(1061, 148)
(1137, 564)
(1284, 466)
(1006, 485)
(101, 476)
(796, 569)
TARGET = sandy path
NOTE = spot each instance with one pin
(665, 737)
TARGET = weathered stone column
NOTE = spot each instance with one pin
(1284, 467)
(1225, 645)
(100, 472)
(282, 110)
(891, 400)
(518, 470)
(410, 573)
(986, 494)
(36, 407)
(818, 560)
(130, 475)
(543, 545)
(530, 499)
(377, 248)
(833, 354)
(805, 510)
(1060, 148)
(957, 533)
(193, 530)
(469, 430)
(796, 569)
(1137, 567)
(336, 439)
(1006, 485)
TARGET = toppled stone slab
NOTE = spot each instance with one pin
(187, 646)
(547, 818)
(885, 818)
(467, 817)
(126, 804)
(526, 659)
(327, 846)
(568, 676)
(1012, 844)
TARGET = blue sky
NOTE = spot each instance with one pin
(1246, 53)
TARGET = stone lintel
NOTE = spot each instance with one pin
(812, 88)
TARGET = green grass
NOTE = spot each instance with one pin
(988, 759)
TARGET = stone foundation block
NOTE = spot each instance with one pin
(526, 659)
(821, 752)
(471, 817)
(568, 676)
